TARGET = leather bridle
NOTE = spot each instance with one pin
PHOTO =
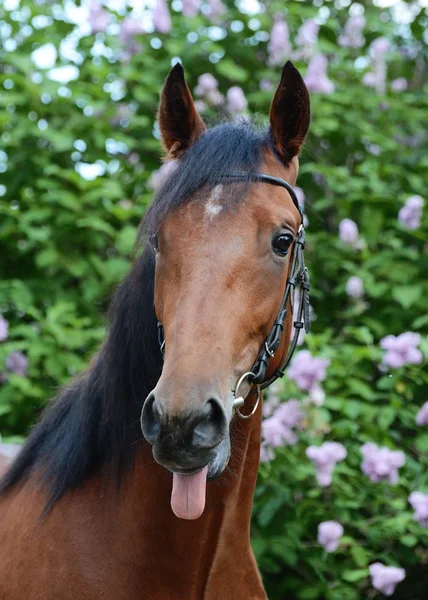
(298, 277)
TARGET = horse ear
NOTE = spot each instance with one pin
(290, 113)
(179, 121)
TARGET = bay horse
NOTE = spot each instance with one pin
(195, 332)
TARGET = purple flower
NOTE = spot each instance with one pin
(307, 370)
(411, 213)
(279, 46)
(306, 39)
(399, 84)
(369, 79)
(401, 349)
(206, 83)
(4, 329)
(380, 46)
(17, 363)
(266, 453)
(348, 232)
(422, 416)
(385, 578)
(352, 32)
(308, 33)
(381, 464)
(419, 503)
(277, 430)
(99, 18)
(316, 78)
(161, 17)
(190, 7)
(316, 396)
(355, 287)
(159, 177)
(325, 458)
(236, 100)
(300, 196)
(329, 534)
(216, 8)
(128, 30)
(266, 85)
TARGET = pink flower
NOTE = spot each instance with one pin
(355, 287)
(190, 7)
(99, 18)
(352, 32)
(279, 46)
(348, 232)
(236, 100)
(401, 349)
(161, 17)
(17, 363)
(399, 84)
(422, 416)
(385, 578)
(380, 46)
(4, 328)
(307, 370)
(325, 458)
(419, 503)
(316, 78)
(411, 213)
(216, 8)
(381, 464)
(159, 177)
(277, 430)
(329, 534)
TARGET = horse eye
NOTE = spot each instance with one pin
(153, 239)
(281, 243)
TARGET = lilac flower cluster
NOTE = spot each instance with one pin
(161, 17)
(401, 349)
(207, 91)
(215, 8)
(159, 177)
(4, 329)
(411, 213)
(381, 464)
(307, 370)
(316, 77)
(352, 36)
(419, 503)
(129, 28)
(277, 430)
(422, 416)
(190, 8)
(325, 458)
(329, 534)
(376, 78)
(355, 287)
(385, 578)
(236, 100)
(399, 84)
(348, 232)
(16, 363)
(279, 46)
(99, 18)
(306, 40)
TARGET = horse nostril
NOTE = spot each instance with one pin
(211, 426)
(150, 419)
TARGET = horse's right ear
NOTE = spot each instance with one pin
(179, 121)
(290, 113)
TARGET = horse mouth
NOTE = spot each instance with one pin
(215, 466)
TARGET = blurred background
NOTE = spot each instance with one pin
(341, 507)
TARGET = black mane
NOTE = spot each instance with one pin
(94, 421)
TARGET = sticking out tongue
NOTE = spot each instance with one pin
(188, 494)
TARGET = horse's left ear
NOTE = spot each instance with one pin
(179, 121)
(290, 113)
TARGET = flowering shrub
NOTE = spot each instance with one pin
(79, 159)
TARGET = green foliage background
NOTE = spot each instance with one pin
(66, 241)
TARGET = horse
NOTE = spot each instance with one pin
(138, 480)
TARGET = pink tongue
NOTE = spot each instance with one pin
(188, 494)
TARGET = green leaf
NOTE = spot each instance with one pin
(355, 575)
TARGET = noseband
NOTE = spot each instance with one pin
(298, 278)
